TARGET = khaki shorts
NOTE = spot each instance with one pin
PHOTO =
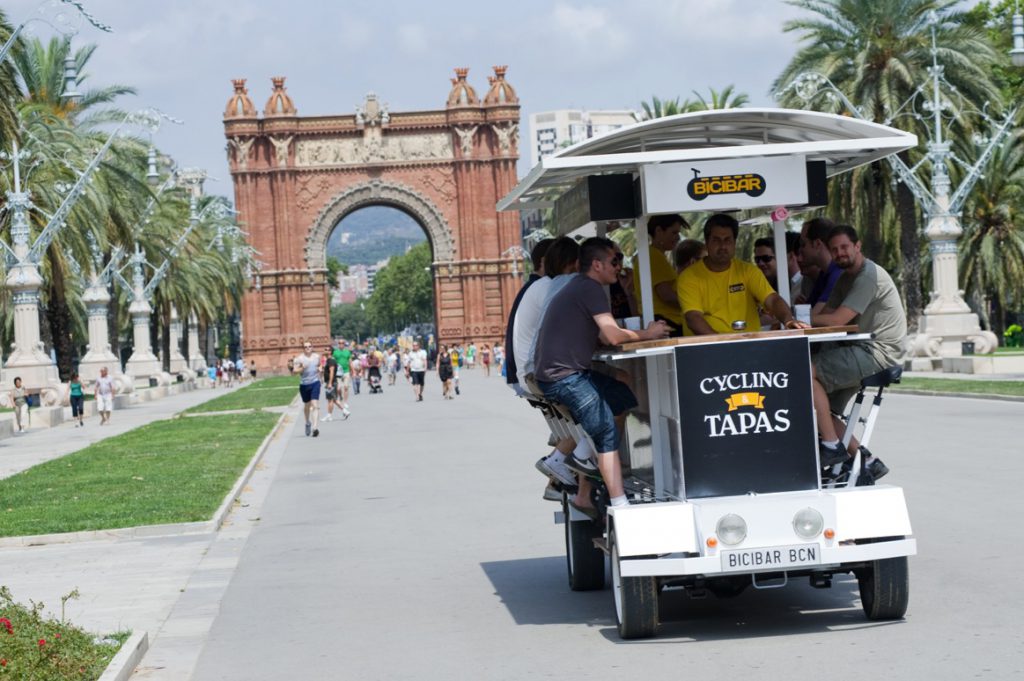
(840, 369)
(345, 381)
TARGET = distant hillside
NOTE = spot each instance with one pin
(372, 234)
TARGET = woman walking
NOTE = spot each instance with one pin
(444, 372)
(485, 358)
(19, 398)
(77, 399)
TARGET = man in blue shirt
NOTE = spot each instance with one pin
(814, 253)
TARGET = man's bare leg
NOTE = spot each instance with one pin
(611, 472)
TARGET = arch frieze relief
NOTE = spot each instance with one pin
(317, 153)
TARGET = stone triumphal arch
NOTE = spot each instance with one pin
(296, 177)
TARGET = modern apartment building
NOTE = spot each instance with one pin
(554, 130)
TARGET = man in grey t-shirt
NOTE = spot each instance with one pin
(864, 295)
(576, 321)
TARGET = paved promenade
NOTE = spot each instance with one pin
(410, 542)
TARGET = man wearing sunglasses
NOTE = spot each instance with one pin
(576, 322)
(308, 365)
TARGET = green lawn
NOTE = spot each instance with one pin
(278, 391)
(956, 385)
(167, 472)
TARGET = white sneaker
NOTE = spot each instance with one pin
(345, 412)
(327, 418)
(557, 470)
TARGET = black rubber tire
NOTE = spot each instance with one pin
(885, 588)
(584, 561)
(636, 600)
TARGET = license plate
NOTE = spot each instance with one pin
(770, 558)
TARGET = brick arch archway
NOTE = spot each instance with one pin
(377, 193)
(296, 177)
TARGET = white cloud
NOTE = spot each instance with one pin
(412, 38)
(589, 28)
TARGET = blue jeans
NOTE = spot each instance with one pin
(594, 400)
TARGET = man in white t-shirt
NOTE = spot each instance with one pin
(417, 369)
(308, 366)
(104, 393)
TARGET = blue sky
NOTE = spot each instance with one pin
(182, 54)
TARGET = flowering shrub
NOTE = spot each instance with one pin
(33, 646)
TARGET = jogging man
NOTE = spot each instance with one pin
(308, 364)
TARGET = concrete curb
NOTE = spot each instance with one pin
(243, 479)
(170, 529)
(975, 396)
(127, 659)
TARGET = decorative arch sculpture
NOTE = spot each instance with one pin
(377, 193)
(296, 177)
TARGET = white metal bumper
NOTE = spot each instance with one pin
(711, 565)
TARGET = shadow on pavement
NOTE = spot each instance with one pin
(535, 591)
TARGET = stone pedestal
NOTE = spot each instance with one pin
(195, 360)
(178, 362)
(28, 359)
(99, 355)
(143, 363)
(947, 321)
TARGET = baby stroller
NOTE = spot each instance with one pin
(373, 378)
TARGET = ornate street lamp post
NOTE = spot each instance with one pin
(144, 363)
(947, 319)
(28, 360)
(56, 14)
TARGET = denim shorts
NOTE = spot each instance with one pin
(594, 400)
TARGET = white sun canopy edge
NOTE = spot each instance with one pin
(753, 160)
(841, 142)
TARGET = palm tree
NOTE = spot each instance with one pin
(658, 108)
(992, 246)
(878, 53)
(726, 99)
(9, 91)
(66, 132)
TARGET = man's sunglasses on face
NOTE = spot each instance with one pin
(763, 258)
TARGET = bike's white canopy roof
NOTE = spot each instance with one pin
(842, 142)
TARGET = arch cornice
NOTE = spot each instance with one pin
(379, 192)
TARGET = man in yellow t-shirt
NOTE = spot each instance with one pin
(664, 235)
(720, 290)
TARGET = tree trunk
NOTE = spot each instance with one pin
(998, 314)
(910, 247)
(165, 336)
(872, 231)
(204, 341)
(114, 323)
(185, 349)
(59, 319)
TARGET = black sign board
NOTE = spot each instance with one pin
(746, 417)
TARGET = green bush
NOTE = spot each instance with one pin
(1014, 336)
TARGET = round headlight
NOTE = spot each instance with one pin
(731, 529)
(807, 523)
